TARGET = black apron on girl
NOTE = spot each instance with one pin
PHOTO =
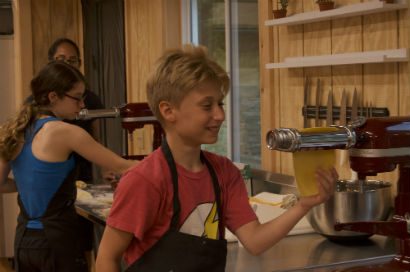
(60, 222)
(180, 252)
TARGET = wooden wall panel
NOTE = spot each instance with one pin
(53, 19)
(346, 37)
(403, 68)
(381, 85)
(23, 55)
(317, 40)
(381, 80)
(290, 43)
(151, 26)
(41, 22)
(37, 24)
(267, 51)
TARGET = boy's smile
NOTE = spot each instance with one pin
(200, 115)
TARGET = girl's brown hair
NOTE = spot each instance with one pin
(56, 76)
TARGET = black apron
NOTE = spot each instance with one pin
(60, 222)
(180, 252)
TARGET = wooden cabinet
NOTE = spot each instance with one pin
(346, 48)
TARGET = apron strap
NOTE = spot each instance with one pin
(174, 174)
(217, 192)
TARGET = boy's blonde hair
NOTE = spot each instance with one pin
(178, 72)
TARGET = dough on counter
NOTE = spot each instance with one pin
(83, 195)
(80, 184)
(106, 198)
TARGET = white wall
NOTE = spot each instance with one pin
(8, 202)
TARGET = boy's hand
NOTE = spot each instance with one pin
(326, 185)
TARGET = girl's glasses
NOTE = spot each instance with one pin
(78, 99)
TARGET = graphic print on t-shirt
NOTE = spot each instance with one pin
(203, 221)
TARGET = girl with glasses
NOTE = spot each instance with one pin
(38, 147)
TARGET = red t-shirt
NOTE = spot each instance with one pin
(143, 201)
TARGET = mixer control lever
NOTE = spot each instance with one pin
(360, 121)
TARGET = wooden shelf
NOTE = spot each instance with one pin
(393, 55)
(365, 8)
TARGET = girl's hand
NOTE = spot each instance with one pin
(108, 176)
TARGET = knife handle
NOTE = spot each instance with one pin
(311, 112)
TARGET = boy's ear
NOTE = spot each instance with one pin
(167, 111)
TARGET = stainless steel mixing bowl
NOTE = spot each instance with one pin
(353, 200)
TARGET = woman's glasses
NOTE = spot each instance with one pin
(73, 61)
(78, 99)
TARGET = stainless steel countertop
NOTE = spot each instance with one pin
(310, 252)
(304, 252)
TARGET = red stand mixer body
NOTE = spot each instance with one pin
(381, 145)
(137, 115)
(133, 116)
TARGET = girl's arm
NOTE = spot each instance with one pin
(7, 185)
(81, 142)
(113, 244)
(257, 237)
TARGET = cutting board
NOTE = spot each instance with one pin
(266, 212)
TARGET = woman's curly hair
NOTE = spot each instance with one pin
(56, 76)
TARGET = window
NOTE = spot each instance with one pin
(229, 29)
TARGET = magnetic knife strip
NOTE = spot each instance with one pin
(361, 111)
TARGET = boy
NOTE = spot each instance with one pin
(155, 230)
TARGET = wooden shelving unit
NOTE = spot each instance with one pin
(365, 8)
(381, 35)
(393, 55)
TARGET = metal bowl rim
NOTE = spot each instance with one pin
(367, 181)
(378, 185)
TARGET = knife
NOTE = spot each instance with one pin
(370, 110)
(306, 95)
(366, 109)
(353, 117)
(329, 109)
(355, 102)
(317, 105)
(342, 116)
(343, 109)
(376, 112)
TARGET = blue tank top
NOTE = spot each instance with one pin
(37, 181)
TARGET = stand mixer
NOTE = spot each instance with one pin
(376, 145)
(133, 116)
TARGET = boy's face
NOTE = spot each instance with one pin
(200, 115)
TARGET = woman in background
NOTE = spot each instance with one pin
(37, 146)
